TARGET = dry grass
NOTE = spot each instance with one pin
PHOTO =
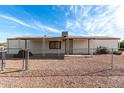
(68, 72)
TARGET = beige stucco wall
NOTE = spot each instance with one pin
(105, 43)
(110, 44)
(38, 47)
(35, 46)
(15, 45)
(79, 46)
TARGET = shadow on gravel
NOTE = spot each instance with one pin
(28, 73)
(38, 56)
(48, 56)
(5, 72)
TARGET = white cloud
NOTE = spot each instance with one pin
(42, 27)
(77, 24)
(109, 20)
(14, 20)
(119, 17)
(35, 24)
(8, 34)
(69, 24)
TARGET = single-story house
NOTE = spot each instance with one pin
(64, 44)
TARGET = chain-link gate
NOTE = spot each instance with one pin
(13, 59)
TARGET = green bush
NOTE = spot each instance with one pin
(122, 44)
(102, 50)
(117, 52)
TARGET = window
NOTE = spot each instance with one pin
(55, 45)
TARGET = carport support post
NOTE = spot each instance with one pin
(68, 46)
(43, 46)
(26, 58)
(26, 46)
(112, 60)
(26, 55)
(88, 46)
(58, 47)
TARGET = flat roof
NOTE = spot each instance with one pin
(69, 37)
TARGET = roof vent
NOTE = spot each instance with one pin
(64, 34)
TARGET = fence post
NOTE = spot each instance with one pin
(23, 56)
(26, 59)
(2, 59)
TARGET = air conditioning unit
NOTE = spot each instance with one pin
(64, 34)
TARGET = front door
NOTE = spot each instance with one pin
(69, 46)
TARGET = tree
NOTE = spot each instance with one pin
(122, 44)
(2, 44)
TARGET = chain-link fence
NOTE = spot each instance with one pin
(75, 62)
(72, 63)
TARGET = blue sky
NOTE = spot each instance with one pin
(51, 20)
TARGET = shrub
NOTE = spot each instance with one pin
(102, 50)
(117, 52)
(121, 49)
(122, 44)
(21, 53)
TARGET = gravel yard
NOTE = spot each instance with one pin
(72, 71)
